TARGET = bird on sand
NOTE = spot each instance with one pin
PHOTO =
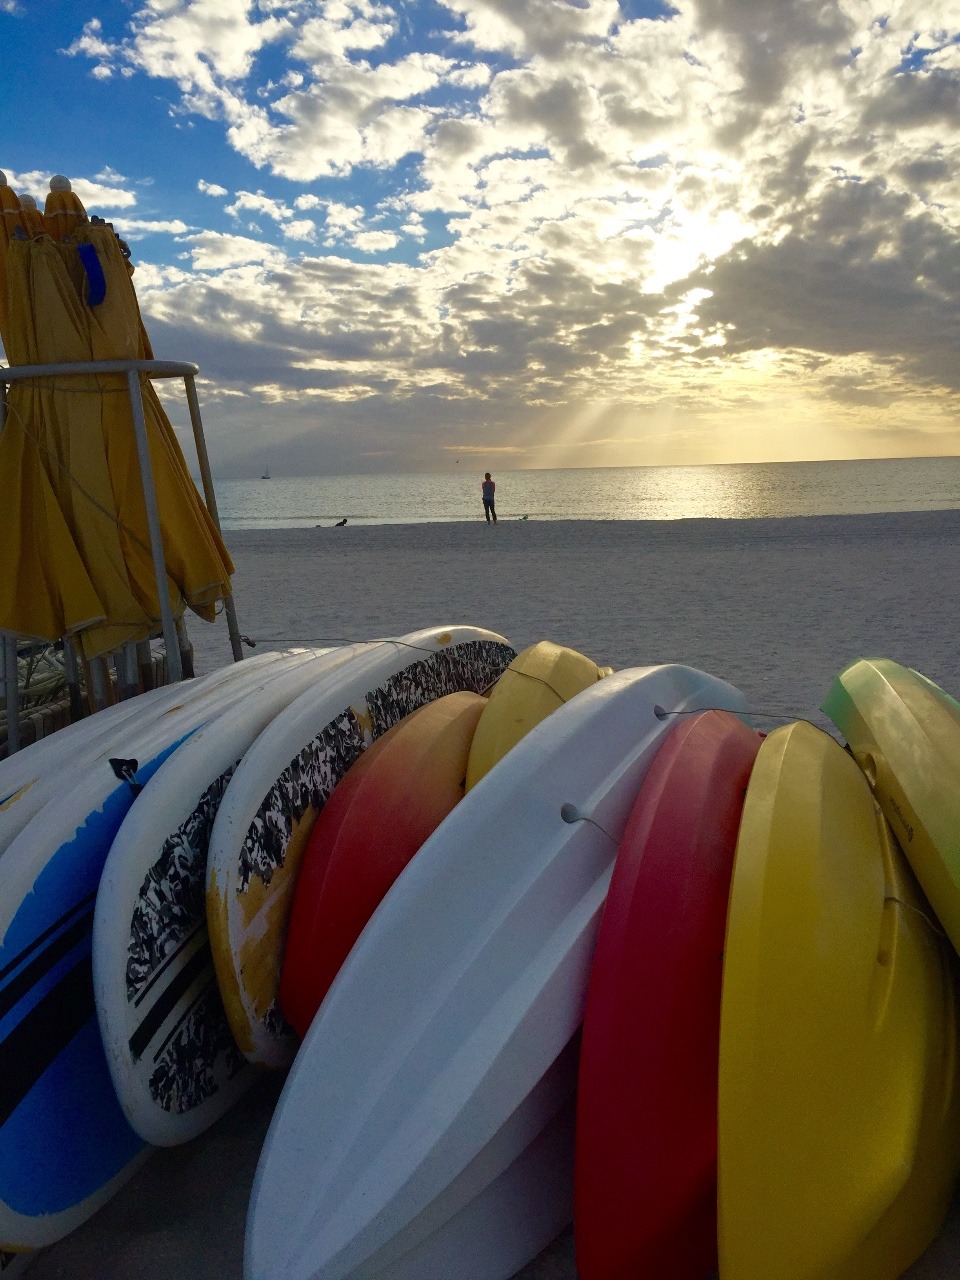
(340, 523)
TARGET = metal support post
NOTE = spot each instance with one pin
(11, 681)
(210, 497)
(72, 673)
(186, 649)
(125, 662)
(99, 683)
(132, 369)
(174, 669)
(145, 663)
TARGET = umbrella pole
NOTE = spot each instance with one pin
(11, 681)
(210, 497)
(98, 683)
(73, 681)
(174, 668)
(145, 663)
(11, 686)
(186, 649)
(125, 661)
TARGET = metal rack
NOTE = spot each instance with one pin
(132, 369)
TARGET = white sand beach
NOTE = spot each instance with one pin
(777, 607)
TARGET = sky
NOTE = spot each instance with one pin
(520, 233)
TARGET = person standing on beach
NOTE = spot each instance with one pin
(488, 488)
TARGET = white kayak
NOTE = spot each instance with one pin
(172, 1058)
(429, 1061)
(47, 768)
(511, 1200)
(65, 1144)
(271, 802)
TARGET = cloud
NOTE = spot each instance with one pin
(865, 273)
(211, 188)
(134, 228)
(196, 45)
(916, 100)
(214, 251)
(299, 229)
(538, 27)
(99, 194)
(257, 202)
(375, 241)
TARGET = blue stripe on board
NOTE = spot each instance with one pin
(44, 1033)
(41, 977)
(67, 1136)
(41, 1174)
(20, 960)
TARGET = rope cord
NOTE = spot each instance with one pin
(660, 712)
(571, 814)
(908, 906)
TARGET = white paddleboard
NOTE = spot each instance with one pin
(65, 1145)
(29, 778)
(464, 988)
(171, 1055)
(268, 810)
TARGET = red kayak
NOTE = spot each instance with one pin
(376, 819)
(646, 1147)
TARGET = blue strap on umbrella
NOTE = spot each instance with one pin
(96, 280)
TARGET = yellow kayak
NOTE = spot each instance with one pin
(838, 1104)
(538, 681)
(904, 733)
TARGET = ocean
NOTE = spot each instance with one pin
(727, 492)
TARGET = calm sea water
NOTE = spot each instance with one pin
(733, 492)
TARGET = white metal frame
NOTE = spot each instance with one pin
(131, 369)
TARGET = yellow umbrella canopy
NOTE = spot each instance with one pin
(197, 560)
(63, 210)
(45, 589)
(11, 221)
(73, 448)
(31, 218)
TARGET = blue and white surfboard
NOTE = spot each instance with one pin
(65, 1144)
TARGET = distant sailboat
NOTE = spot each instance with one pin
(266, 472)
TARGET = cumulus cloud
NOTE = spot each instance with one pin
(213, 251)
(211, 188)
(133, 228)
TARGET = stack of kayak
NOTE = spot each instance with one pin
(537, 942)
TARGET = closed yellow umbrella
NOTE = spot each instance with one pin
(74, 450)
(67, 420)
(11, 220)
(197, 561)
(63, 210)
(45, 589)
(31, 219)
